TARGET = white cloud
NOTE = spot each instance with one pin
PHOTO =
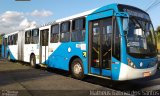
(26, 23)
(42, 13)
(11, 21)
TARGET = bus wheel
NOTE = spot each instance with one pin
(33, 61)
(77, 69)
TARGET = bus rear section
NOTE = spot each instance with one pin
(10, 46)
(4, 47)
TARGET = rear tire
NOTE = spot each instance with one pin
(33, 61)
(77, 69)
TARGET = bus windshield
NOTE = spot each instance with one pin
(140, 39)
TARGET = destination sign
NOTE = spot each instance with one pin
(133, 11)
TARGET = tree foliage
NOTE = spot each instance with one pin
(158, 33)
(0, 39)
(158, 38)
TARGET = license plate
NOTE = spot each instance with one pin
(146, 74)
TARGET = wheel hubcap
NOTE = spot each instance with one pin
(77, 68)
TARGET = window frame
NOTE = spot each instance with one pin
(84, 21)
(8, 40)
(55, 33)
(26, 36)
(74, 28)
(64, 32)
(15, 37)
(116, 30)
(32, 36)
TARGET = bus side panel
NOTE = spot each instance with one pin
(13, 51)
(2, 49)
(62, 54)
(31, 49)
(27, 52)
(115, 69)
(21, 38)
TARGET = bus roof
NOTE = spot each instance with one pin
(77, 15)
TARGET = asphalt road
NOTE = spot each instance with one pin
(19, 79)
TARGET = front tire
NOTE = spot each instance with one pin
(77, 69)
(33, 61)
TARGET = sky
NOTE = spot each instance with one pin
(16, 15)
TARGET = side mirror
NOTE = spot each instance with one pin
(125, 25)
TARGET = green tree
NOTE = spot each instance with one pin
(158, 38)
(1, 36)
(158, 33)
(0, 39)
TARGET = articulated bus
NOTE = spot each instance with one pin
(115, 42)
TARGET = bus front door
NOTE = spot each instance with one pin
(100, 47)
(44, 46)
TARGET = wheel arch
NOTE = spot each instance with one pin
(32, 54)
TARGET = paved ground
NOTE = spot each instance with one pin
(16, 78)
(36, 82)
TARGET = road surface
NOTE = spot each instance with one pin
(20, 79)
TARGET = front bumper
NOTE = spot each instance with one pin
(129, 73)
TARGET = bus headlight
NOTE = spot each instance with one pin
(131, 64)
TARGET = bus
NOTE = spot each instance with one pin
(115, 42)
(0, 49)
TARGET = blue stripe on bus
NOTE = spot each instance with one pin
(147, 63)
(60, 57)
(5, 55)
(115, 69)
(12, 57)
(2, 50)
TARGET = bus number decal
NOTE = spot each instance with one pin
(84, 54)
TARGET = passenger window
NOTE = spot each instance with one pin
(9, 41)
(54, 34)
(65, 32)
(15, 39)
(12, 39)
(78, 30)
(35, 36)
(27, 37)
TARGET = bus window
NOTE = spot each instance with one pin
(44, 37)
(12, 39)
(35, 36)
(27, 37)
(116, 42)
(4, 41)
(65, 32)
(8, 40)
(78, 30)
(55, 34)
(15, 37)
